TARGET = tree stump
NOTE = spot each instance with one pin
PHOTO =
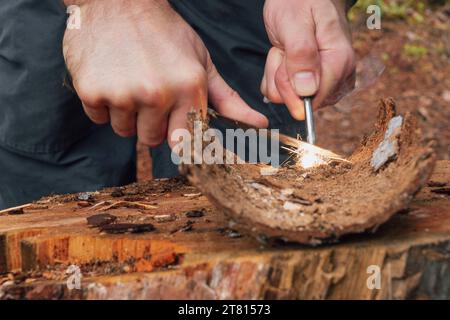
(163, 240)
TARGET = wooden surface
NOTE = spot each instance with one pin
(205, 259)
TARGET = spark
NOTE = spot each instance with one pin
(309, 156)
(309, 159)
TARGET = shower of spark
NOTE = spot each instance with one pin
(309, 156)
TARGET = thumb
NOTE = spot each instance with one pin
(228, 102)
(302, 58)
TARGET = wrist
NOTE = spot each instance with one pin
(111, 2)
(344, 5)
(121, 10)
(76, 2)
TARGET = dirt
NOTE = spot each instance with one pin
(419, 83)
(324, 203)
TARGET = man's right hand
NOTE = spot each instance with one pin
(139, 65)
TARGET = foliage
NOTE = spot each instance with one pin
(414, 51)
(411, 10)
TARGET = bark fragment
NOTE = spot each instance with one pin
(353, 198)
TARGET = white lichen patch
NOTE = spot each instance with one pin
(388, 148)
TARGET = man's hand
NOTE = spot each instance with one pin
(139, 65)
(311, 53)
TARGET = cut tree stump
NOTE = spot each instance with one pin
(163, 240)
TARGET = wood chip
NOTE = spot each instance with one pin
(165, 217)
(118, 228)
(192, 195)
(129, 204)
(99, 220)
(195, 213)
(16, 210)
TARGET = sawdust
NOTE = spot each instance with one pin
(322, 204)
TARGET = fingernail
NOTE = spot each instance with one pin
(305, 83)
(266, 100)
